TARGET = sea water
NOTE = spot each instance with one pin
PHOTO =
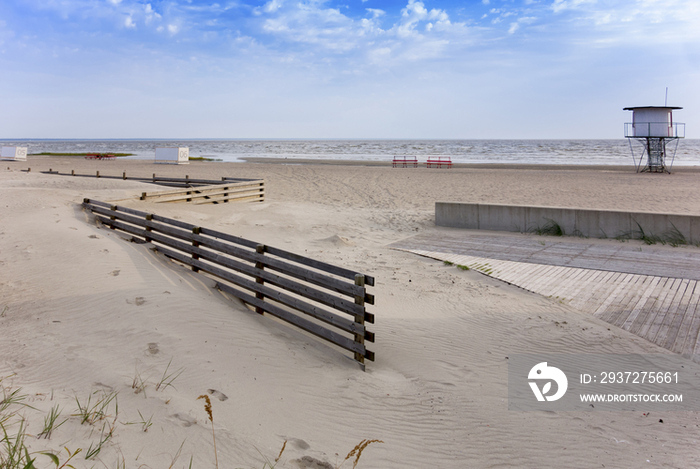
(548, 152)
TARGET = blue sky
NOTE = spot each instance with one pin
(343, 68)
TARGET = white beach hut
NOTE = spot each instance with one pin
(14, 154)
(652, 126)
(172, 155)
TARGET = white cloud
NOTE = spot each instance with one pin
(272, 6)
(524, 20)
(376, 13)
(414, 13)
(173, 29)
(129, 22)
(561, 5)
(150, 14)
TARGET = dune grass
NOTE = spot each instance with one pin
(52, 153)
(97, 408)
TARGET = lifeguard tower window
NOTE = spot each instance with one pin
(652, 126)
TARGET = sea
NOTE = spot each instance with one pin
(681, 152)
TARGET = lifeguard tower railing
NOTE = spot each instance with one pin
(655, 129)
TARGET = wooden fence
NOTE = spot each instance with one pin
(271, 280)
(253, 190)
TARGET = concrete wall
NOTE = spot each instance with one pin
(574, 222)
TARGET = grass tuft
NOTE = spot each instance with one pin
(357, 451)
(90, 412)
(674, 237)
(284, 445)
(167, 379)
(50, 422)
(207, 408)
(551, 228)
(94, 449)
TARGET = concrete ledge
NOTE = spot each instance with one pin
(576, 222)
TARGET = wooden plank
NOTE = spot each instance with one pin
(340, 304)
(539, 278)
(679, 313)
(194, 193)
(319, 265)
(228, 198)
(611, 297)
(525, 276)
(661, 306)
(186, 180)
(617, 310)
(287, 284)
(593, 287)
(592, 278)
(671, 312)
(634, 291)
(513, 270)
(573, 286)
(560, 281)
(691, 334)
(595, 299)
(158, 194)
(301, 323)
(650, 308)
(274, 264)
(638, 307)
(270, 293)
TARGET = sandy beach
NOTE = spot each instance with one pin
(86, 315)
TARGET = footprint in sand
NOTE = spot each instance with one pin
(217, 394)
(185, 420)
(307, 462)
(138, 301)
(153, 348)
(114, 273)
(94, 237)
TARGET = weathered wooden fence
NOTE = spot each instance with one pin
(223, 192)
(271, 280)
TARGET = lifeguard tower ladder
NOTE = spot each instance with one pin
(652, 126)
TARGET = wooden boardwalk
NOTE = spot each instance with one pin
(632, 291)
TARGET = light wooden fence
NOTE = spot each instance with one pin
(271, 280)
(211, 194)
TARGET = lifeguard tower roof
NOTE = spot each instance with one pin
(651, 107)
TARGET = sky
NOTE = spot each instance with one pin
(413, 69)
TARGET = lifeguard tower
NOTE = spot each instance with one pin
(652, 126)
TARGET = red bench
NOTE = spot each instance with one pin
(99, 156)
(404, 162)
(439, 162)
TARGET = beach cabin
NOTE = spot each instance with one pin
(172, 155)
(14, 154)
(651, 121)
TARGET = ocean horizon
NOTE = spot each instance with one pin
(682, 152)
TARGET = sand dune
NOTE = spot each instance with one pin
(87, 314)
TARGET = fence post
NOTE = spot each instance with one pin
(360, 318)
(149, 217)
(98, 174)
(260, 249)
(124, 175)
(72, 172)
(113, 217)
(196, 230)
